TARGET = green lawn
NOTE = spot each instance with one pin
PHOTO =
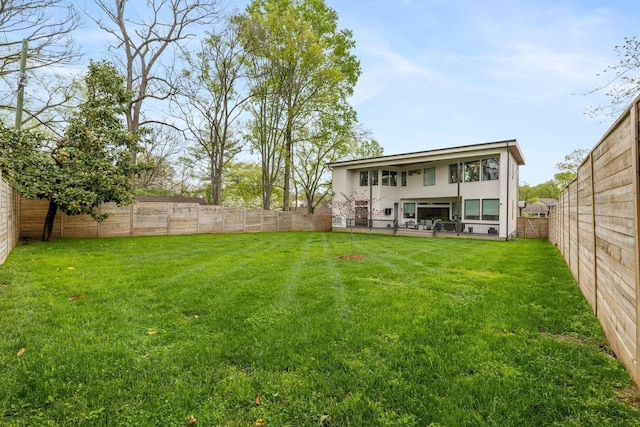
(279, 330)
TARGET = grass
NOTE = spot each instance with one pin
(278, 330)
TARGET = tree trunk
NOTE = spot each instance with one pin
(288, 153)
(310, 207)
(47, 231)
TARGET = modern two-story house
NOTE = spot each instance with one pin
(467, 189)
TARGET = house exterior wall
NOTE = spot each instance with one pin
(439, 200)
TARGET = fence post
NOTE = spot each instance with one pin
(635, 151)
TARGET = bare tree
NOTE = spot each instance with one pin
(35, 20)
(623, 80)
(351, 207)
(46, 25)
(146, 46)
(161, 148)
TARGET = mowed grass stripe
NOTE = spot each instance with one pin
(149, 331)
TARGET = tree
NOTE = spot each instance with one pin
(547, 190)
(91, 164)
(265, 138)
(366, 146)
(47, 26)
(568, 169)
(145, 41)
(350, 206)
(310, 66)
(328, 141)
(623, 80)
(242, 186)
(212, 101)
(161, 146)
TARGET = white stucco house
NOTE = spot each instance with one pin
(466, 189)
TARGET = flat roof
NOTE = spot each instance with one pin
(420, 156)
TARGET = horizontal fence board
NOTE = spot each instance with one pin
(9, 219)
(163, 218)
(596, 229)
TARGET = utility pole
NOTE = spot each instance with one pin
(21, 83)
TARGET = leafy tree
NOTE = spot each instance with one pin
(547, 190)
(623, 80)
(24, 162)
(242, 186)
(568, 169)
(90, 165)
(212, 100)
(266, 139)
(525, 193)
(367, 148)
(305, 62)
(328, 141)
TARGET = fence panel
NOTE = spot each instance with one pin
(165, 218)
(595, 225)
(9, 219)
(533, 228)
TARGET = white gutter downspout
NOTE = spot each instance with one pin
(508, 185)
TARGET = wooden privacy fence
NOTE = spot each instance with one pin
(533, 228)
(9, 219)
(595, 226)
(163, 218)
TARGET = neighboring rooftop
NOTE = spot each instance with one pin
(171, 199)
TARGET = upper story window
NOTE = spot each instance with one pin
(490, 168)
(475, 170)
(364, 178)
(453, 174)
(472, 171)
(403, 178)
(429, 177)
(374, 177)
(390, 178)
(370, 177)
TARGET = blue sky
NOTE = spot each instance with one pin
(442, 73)
(439, 73)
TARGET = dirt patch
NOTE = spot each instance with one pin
(352, 256)
(604, 346)
(629, 396)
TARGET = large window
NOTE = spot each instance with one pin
(390, 178)
(409, 210)
(364, 178)
(472, 171)
(429, 177)
(453, 174)
(374, 177)
(476, 170)
(490, 209)
(490, 169)
(472, 209)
